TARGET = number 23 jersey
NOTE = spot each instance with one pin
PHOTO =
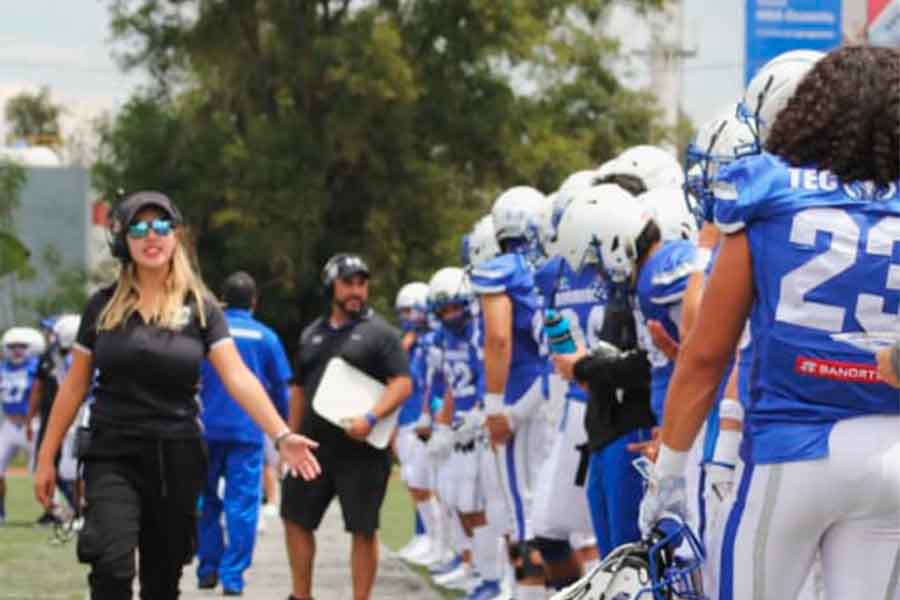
(825, 261)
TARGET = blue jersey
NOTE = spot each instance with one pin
(511, 274)
(16, 382)
(418, 370)
(661, 284)
(574, 296)
(824, 260)
(262, 352)
(462, 365)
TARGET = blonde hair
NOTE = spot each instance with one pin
(182, 282)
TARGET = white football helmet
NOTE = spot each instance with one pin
(516, 214)
(641, 168)
(772, 86)
(449, 285)
(646, 570)
(718, 142)
(482, 243)
(66, 329)
(579, 180)
(596, 228)
(670, 211)
(18, 344)
(411, 305)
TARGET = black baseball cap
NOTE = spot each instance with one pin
(138, 201)
(344, 265)
(239, 290)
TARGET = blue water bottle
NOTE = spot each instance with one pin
(559, 336)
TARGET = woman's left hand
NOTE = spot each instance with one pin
(296, 451)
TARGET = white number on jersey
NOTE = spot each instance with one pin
(841, 255)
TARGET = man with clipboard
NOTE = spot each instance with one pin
(355, 466)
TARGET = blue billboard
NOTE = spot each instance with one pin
(776, 26)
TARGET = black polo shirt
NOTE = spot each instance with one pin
(149, 376)
(370, 344)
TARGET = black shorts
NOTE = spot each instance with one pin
(359, 480)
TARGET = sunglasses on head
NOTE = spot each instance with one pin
(140, 229)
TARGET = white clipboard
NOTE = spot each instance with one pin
(345, 392)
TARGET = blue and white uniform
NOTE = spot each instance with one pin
(16, 381)
(415, 469)
(659, 291)
(821, 452)
(235, 445)
(561, 510)
(520, 458)
(462, 367)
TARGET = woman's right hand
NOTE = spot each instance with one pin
(45, 483)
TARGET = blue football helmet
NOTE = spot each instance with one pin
(664, 566)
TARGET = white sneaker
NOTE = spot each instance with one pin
(269, 510)
(438, 556)
(413, 546)
(419, 550)
(457, 579)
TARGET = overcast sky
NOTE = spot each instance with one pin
(65, 45)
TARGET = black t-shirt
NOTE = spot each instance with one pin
(369, 344)
(149, 376)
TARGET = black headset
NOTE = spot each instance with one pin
(341, 265)
(118, 225)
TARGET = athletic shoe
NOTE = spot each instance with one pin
(459, 579)
(208, 582)
(417, 545)
(446, 566)
(269, 510)
(230, 592)
(47, 519)
(488, 590)
(436, 557)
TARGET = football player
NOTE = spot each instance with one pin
(514, 367)
(810, 224)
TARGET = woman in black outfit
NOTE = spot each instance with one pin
(145, 462)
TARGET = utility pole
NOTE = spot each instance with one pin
(665, 55)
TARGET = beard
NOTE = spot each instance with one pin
(354, 312)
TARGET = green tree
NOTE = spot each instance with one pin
(13, 254)
(292, 129)
(33, 117)
(67, 289)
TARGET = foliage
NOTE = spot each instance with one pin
(68, 285)
(13, 255)
(33, 117)
(292, 129)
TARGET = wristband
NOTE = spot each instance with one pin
(276, 441)
(493, 403)
(669, 463)
(729, 408)
(704, 255)
(727, 447)
(371, 419)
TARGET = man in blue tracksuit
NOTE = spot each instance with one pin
(236, 444)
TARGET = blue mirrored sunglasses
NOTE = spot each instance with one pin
(140, 229)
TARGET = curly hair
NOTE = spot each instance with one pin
(845, 116)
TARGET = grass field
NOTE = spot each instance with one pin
(31, 567)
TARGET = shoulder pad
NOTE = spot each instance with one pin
(743, 187)
(497, 274)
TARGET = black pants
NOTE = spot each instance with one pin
(143, 499)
